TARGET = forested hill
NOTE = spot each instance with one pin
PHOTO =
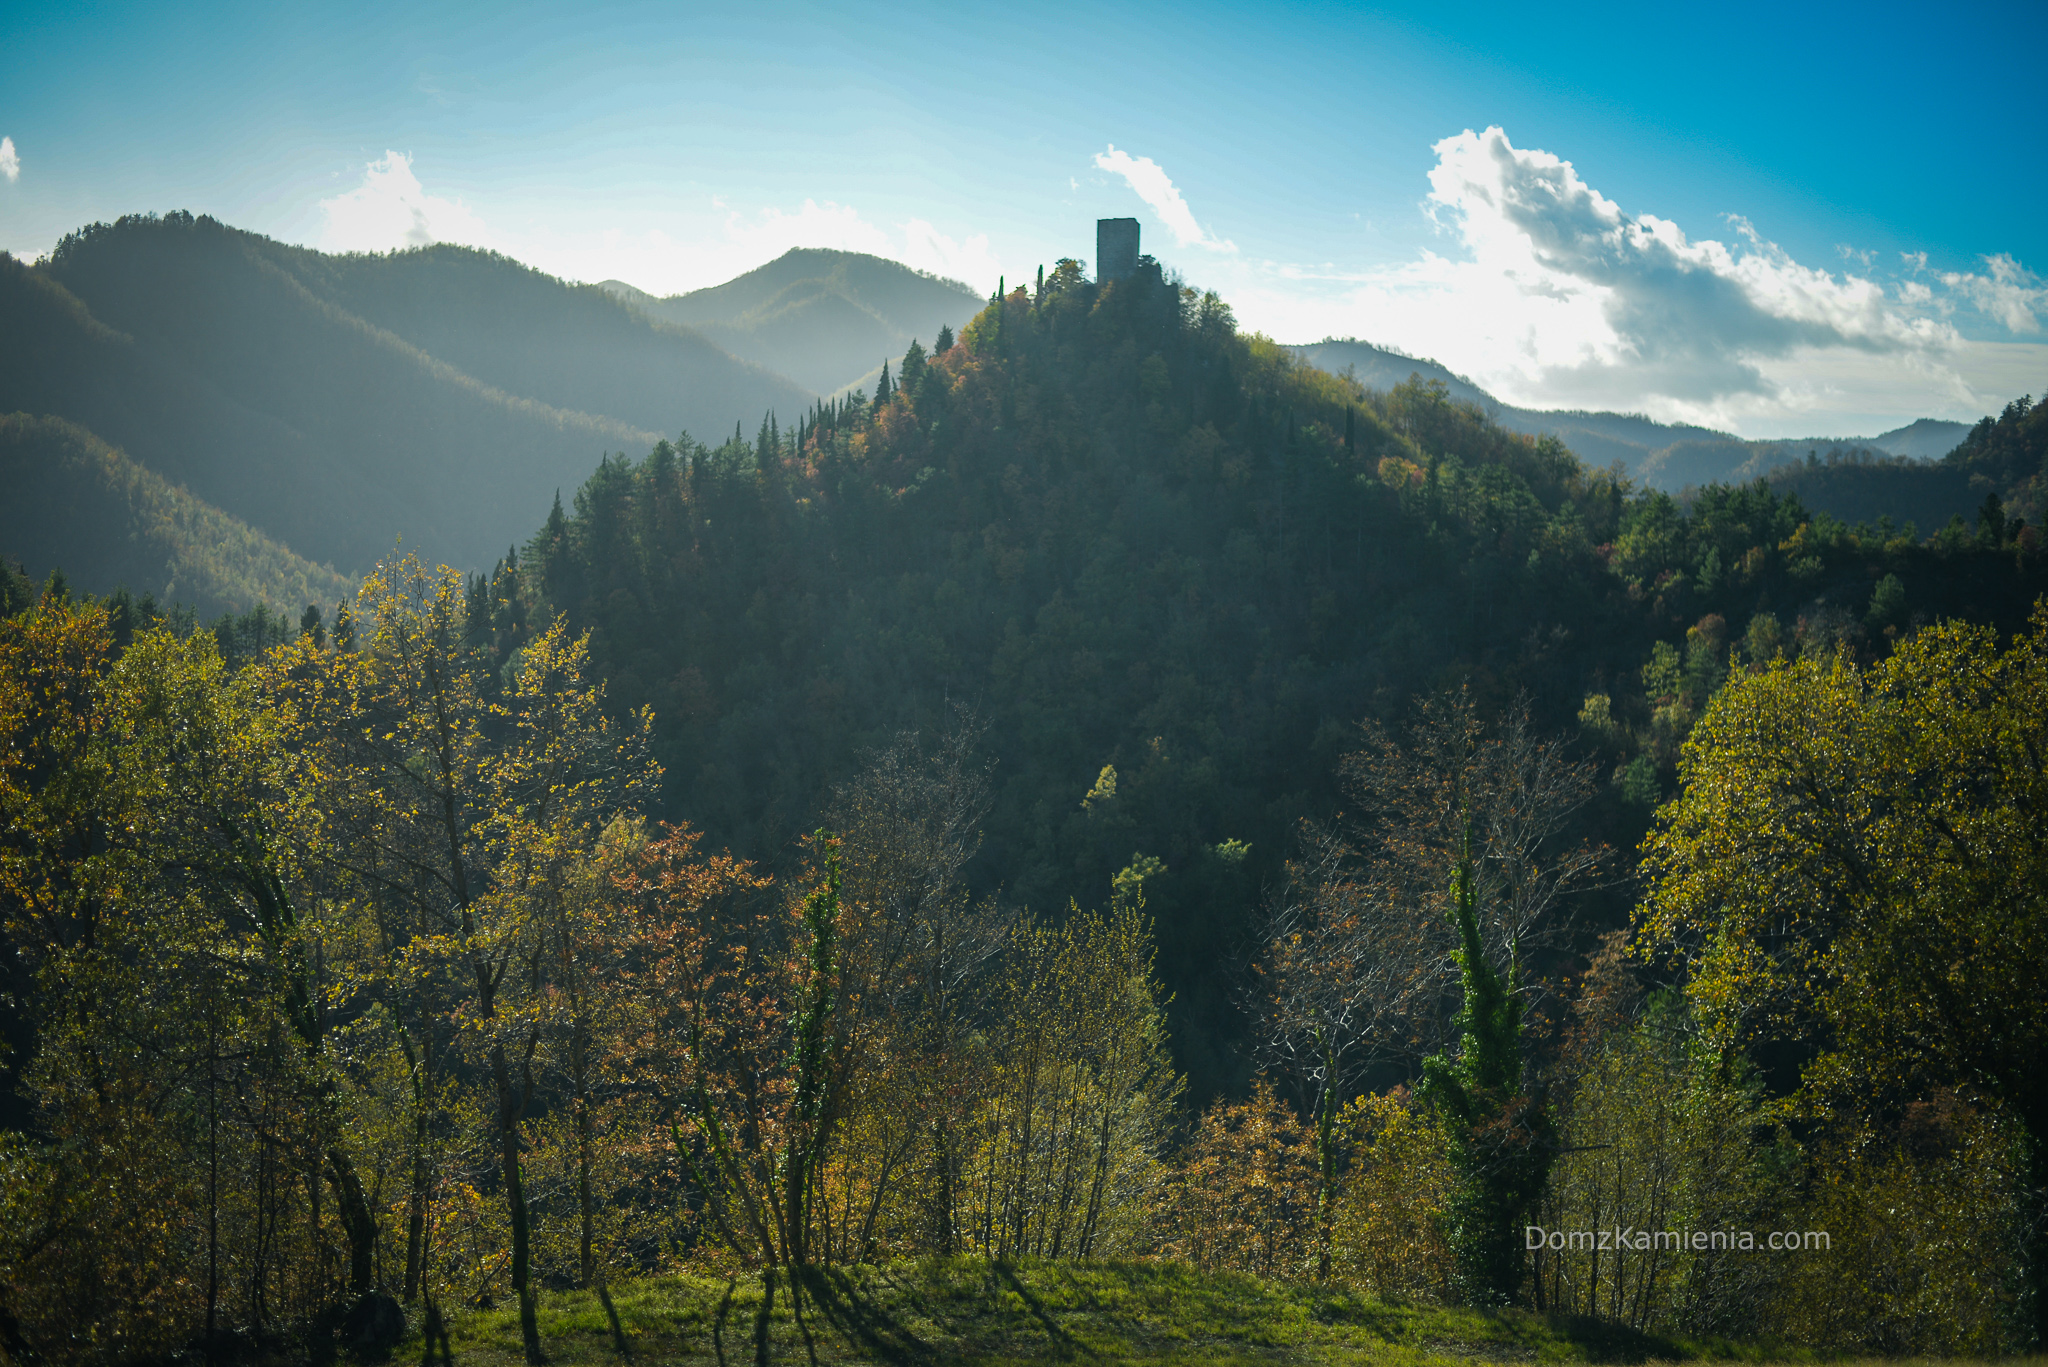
(825, 318)
(1169, 566)
(2006, 455)
(1671, 456)
(337, 403)
(73, 503)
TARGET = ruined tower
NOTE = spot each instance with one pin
(1116, 248)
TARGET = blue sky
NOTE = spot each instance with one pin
(1783, 220)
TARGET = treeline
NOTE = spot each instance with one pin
(356, 973)
(358, 978)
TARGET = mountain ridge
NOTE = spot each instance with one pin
(822, 316)
(236, 367)
(1633, 438)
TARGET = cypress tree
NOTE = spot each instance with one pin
(1502, 1143)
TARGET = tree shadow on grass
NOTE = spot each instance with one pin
(849, 1305)
(874, 1311)
(1607, 1341)
(967, 1310)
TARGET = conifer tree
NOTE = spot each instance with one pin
(1502, 1143)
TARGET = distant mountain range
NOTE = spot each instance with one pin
(1671, 456)
(210, 415)
(826, 319)
(338, 403)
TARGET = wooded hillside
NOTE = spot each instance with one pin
(240, 369)
(1171, 568)
(73, 503)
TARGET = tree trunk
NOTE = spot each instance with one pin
(511, 1105)
(1326, 1166)
(358, 1223)
(586, 1207)
(422, 1166)
(416, 1213)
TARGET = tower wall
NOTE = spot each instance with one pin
(1116, 248)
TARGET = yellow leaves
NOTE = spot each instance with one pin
(1858, 849)
(1388, 1238)
(1243, 1197)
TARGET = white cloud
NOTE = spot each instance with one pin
(10, 161)
(1555, 297)
(390, 209)
(1690, 320)
(969, 259)
(1151, 183)
(2010, 292)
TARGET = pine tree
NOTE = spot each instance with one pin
(912, 370)
(882, 389)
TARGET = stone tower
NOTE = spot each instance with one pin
(1116, 248)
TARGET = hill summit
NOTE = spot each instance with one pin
(826, 319)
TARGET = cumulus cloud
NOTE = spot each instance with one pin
(1551, 295)
(2007, 291)
(10, 161)
(391, 209)
(1694, 320)
(1151, 184)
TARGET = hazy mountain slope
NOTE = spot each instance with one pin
(1863, 487)
(1927, 439)
(181, 341)
(575, 347)
(821, 317)
(1854, 478)
(1596, 438)
(1377, 368)
(74, 503)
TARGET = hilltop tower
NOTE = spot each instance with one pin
(1116, 248)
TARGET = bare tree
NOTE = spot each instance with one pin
(1356, 969)
(1346, 974)
(1521, 793)
(916, 941)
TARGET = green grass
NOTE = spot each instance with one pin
(970, 1311)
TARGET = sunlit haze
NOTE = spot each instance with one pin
(1779, 223)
